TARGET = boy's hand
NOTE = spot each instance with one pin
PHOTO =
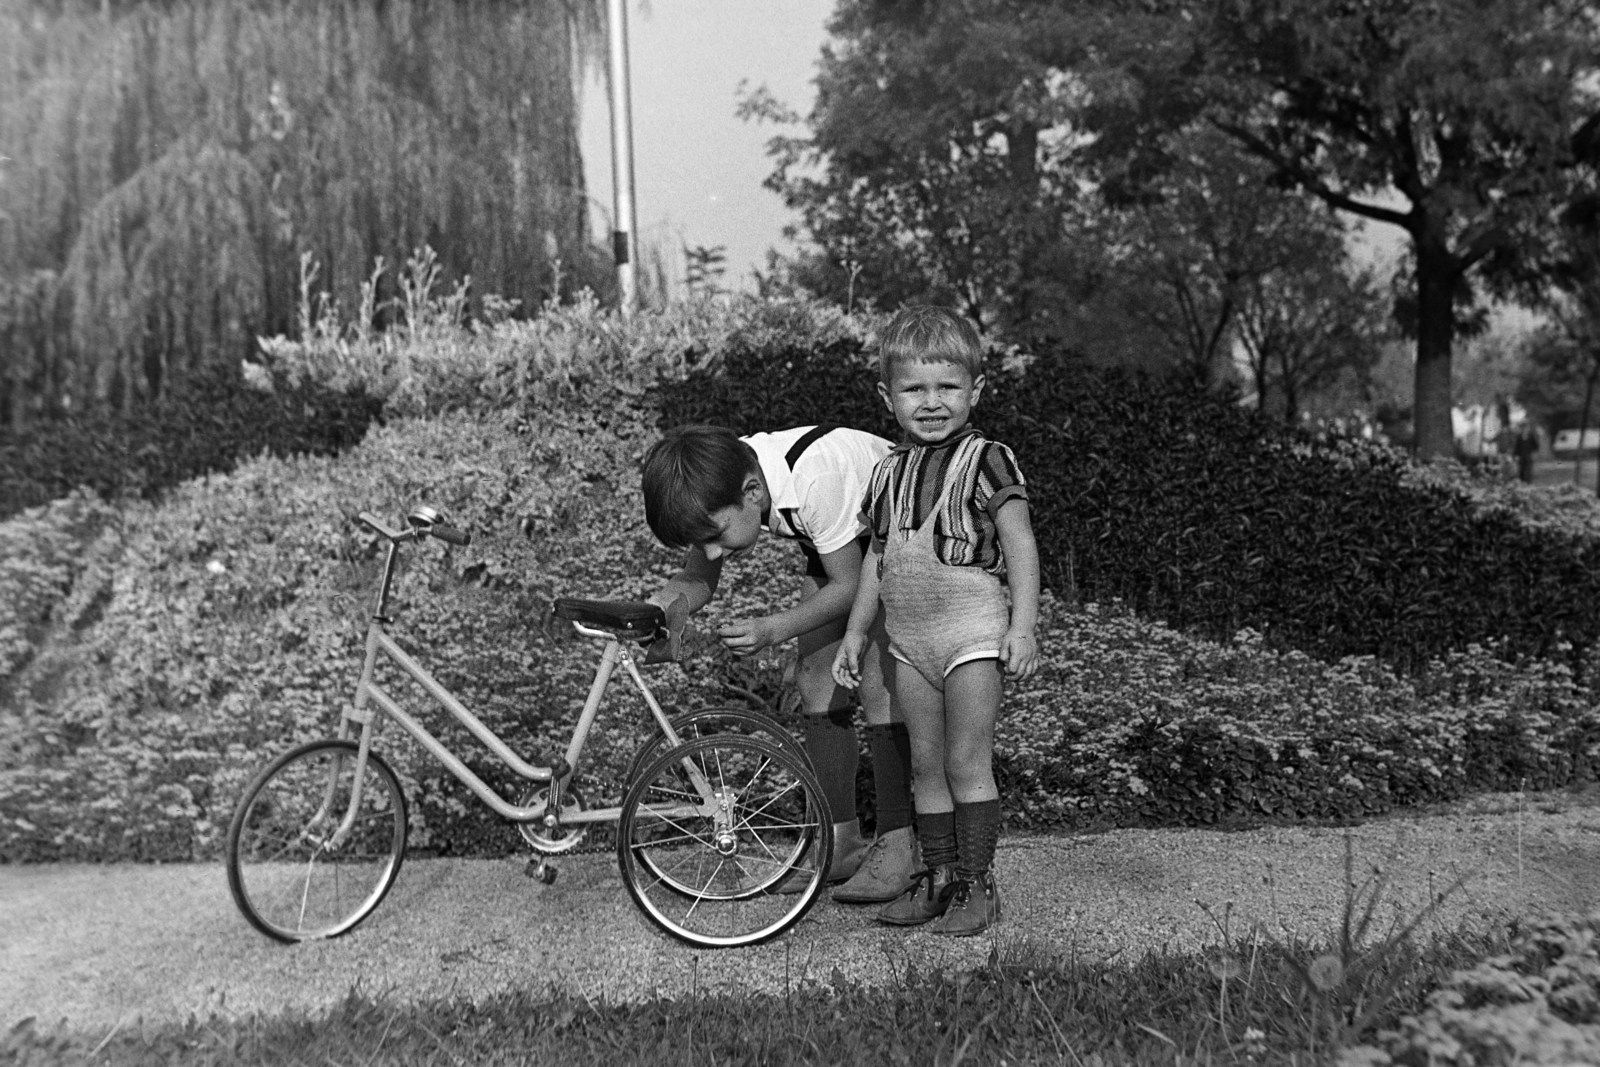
(746, 637)
(668, 647)
(847, 661)
(1019, 652)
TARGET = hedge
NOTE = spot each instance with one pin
(1186, 506)
(216, 421)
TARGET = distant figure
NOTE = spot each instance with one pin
(1525, 448)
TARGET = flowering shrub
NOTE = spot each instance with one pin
(1538, 1004)
(1130, 722)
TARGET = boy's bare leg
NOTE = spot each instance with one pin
(972, 695)
(923, 707)
(971, 701)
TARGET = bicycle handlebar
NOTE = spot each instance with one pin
(438, 529)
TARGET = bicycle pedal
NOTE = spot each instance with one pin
(541, 870)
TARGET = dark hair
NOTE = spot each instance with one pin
(923, 333)
(689, 473)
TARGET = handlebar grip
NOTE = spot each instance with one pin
(451, 534)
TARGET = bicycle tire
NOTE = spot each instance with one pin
(280, 872)
(705, 722)
(705, 873)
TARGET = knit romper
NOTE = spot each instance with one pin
(939, 616)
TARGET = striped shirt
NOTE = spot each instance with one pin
(908, 481)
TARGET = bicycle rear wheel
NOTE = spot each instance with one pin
(709, 828)
(287, 874)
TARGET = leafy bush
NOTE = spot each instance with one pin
(1538, 1003)
(209, 427)
(431, 363)
(41, 558)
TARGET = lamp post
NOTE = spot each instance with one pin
(624, 244)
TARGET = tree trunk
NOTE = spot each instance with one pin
(1436, 325)
(1583, 430)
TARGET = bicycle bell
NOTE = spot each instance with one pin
(422, 515)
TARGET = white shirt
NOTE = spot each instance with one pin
(820, 501)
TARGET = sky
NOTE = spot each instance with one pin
(698, 169)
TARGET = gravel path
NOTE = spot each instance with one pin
(95, 947)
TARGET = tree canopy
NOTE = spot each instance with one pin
(1452, 120)
(971, 153)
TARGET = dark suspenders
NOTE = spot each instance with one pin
(806, 440)
(792, 457)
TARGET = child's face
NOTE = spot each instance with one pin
(930, 401)
(740, 523)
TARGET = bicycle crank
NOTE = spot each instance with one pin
(552, 838)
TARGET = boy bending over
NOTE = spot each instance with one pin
(712, 492)
(949, 515)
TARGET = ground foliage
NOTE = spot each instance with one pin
(1252, 1000)
(1536, 1002)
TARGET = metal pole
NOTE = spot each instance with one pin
(624, 246)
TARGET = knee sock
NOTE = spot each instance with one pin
(936, 834)
(977, 827)
(835, 753)
(891, 775)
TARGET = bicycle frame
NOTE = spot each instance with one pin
(369, 693)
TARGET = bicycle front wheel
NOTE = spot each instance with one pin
(292, 874)
(710, 828)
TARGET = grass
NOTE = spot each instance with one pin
(1255, 1001)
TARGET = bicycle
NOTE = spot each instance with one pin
(718, 807)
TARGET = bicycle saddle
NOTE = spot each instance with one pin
(631, 618)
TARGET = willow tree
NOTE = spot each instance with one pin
(168, 275)
(172, 161)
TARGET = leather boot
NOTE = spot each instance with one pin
(849, 852)
(890, 865)
(926, 900)
(974, 906)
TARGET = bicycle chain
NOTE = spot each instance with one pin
(607, 844)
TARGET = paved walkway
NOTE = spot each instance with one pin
(104, 946)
